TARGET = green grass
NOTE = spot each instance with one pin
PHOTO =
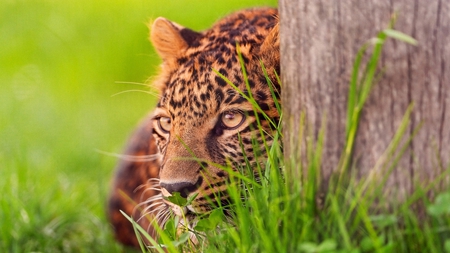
(61, 62)
(282, 214)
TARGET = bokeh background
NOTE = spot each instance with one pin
(69, 71)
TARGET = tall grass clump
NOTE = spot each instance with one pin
(273, 212)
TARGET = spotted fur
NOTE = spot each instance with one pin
(198, 115)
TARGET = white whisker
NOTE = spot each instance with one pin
(136, 83)
(157, 95)
(132, 158)
(163, 221)
(148, 208)
(138, 188)
(146, 191)
(162, 214)
(150, 189)
(153, 198)
(155, 212)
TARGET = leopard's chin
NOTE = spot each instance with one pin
(187, 220)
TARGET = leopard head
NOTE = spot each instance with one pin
(201, 122)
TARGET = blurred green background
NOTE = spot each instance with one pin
(61, 64)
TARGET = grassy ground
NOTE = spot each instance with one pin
(60, 64)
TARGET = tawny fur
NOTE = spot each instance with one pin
(194, 97)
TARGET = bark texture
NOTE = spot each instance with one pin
(319, 41)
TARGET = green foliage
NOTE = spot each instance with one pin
(210, 222)
(441, 206)
(177, 199)
(326, 246)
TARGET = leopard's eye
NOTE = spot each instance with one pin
(165, 124)
(232, 119)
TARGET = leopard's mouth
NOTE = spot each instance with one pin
(186, 219)
(196, 209)
(184, 212)
(187, 216)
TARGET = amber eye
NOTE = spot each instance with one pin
(165, 124)
(232, 119)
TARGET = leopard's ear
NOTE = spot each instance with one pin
(171, 39)
(269, 52)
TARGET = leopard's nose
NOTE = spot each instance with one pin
(184, 188)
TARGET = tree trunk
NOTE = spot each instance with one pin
(319, 42)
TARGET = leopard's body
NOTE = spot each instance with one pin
(198, 115)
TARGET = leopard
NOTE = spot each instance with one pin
(203, 119)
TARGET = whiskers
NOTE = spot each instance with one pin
(153, 208)
(142, 91)
(132, 158)
(155, 94)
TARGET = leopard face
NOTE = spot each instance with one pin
(201, 122)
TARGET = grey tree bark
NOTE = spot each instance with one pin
(319, 41)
